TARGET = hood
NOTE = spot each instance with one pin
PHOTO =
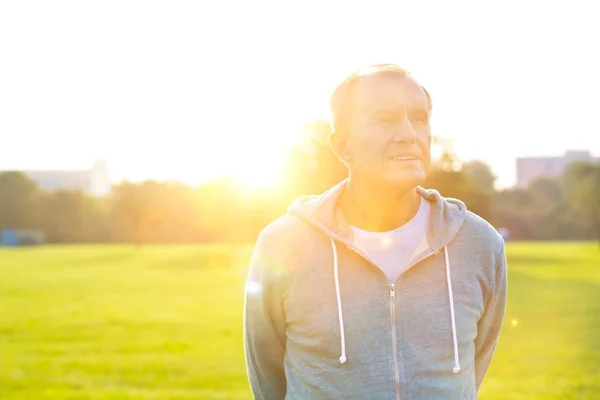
(321, 212)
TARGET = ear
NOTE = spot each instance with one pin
(339, 145)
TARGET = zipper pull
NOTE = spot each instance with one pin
(392, 292)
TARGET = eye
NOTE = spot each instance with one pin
(386, 120)
(421, 118)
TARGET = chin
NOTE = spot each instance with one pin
(407, 179)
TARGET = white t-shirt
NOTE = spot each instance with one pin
(391, 251)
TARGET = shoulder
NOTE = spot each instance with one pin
(282, 230)
(482, 248)
(479, 236)
(280, 247)
(282, 237)
(481, 228)
(463, 228)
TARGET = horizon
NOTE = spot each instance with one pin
(500, 184)
(173, 92)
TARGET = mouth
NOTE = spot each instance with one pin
(404, 158)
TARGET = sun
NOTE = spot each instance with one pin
(259, 159)
(261, 175)
(259, 167)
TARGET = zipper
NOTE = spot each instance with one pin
(394, 341)
(392, 290)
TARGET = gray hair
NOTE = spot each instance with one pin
(341, 99)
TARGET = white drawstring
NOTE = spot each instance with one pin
(343, 358)
(339, 301)
(456, 368)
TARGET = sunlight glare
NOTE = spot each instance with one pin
(259, 159)
(259, 175)
(252, 287)
(386, 241)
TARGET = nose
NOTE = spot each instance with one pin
(405, 133)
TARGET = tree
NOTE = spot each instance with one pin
(71, 217)
(480, 175)
(217, 205)
(468, 183)
(313, 167)
(448, 160)
(509, 209)
(582, 186)
(128, 211)
(155, 212)
(19, 201)
(549, 211)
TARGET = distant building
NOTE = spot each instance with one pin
(531, 168)
(93, 181)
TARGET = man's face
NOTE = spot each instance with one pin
(388, 133)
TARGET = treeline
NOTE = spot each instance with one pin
(567, 208)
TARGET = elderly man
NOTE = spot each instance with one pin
(377, 288)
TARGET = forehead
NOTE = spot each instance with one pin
(388, 90)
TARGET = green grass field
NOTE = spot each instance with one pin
(164, 322)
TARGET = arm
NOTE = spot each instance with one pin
(264, 323)
(491, 321)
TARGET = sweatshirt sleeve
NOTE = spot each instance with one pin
(491, 322)
(264, 322)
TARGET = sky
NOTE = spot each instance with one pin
(192, 90)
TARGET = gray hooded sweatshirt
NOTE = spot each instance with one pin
(321, 321)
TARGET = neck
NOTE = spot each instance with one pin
(378, 208)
